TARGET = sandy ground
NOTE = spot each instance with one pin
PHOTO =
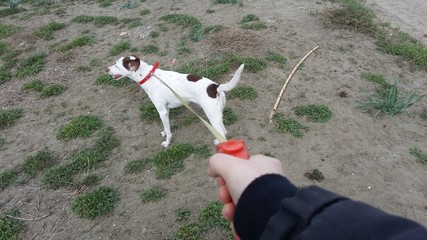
(362, 157)
(409, 15)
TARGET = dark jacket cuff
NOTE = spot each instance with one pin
(259, 202)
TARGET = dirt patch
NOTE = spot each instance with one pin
(360, 156)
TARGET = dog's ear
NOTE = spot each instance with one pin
(131, 63)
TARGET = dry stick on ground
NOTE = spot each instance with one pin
(276, 105)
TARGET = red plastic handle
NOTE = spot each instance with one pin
(233, 147)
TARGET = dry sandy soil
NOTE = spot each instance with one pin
(362, 157)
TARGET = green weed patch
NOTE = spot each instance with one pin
(314, 113)
(9, 117)
(7, 30)
(153, 194)
(289, 125)
(420, 155)
(31, 65)
(46, 32)
(106, 79)
(39, 163)
(10, 227)
(82, 126)
(95, 203)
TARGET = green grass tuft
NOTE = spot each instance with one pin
(277, 58)
(9, 117)
(119, 48)
(420, 155)
(144, 12)
(423, 115)
(47, 31)
(51, 90)
(8, 30)
(82, 126)
(10, 227)
(182, 214)
(106, 79)
(226, 1)
(315, 175)
(150, 49)
(78, 42)
(106, 20)
(153, 194)
(171, 160)
(35, 85)
(389, 102)
(90, 181)
(211, 216)
(189, 231)
(289, 125)
(39, 162)
(83, 19)
(229, 116)
(245, 92)
(7, 178)
(96, 203)
(138, 166)
(31, 65)
(9, 11)
(314, 113)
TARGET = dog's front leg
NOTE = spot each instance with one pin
(164, 116)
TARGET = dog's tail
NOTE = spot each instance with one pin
(233, 83)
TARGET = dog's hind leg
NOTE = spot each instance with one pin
(164, 116)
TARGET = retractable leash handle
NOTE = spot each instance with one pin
(233, 147)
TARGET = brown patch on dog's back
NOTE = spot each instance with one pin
(193, 78)
(212, 90)
(131, 63)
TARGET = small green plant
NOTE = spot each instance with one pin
(171, 160)
(106, 3)
(154, 34)
(47, 31)
(315, 175)
(211, 216)
(182, 214)
(245, 92)
(226, 1)
(51, 90)
(95, 203)
(144, 12)
(229, 116)
(106, 79)
(423, 115)
(389, 102)
(8, 30)
(2, 143)
(10, 227)
(106, 20)
(153, 194)
(9, 117)
(119, 48)
(314, 113)
(35, 85)
(255, 25)
(128, 5)
(249, 18)
(137, 166)
(353, 15)
(289, 125)
(189, 231)
(82, 126)
(39, 162)
(9, 11)
(150, 49)
(277, 58)
(83, 19)
(31, 65)
(7, 178)
(378, 79)
(90, 180)
(81, 41)
(420, 155)
(186, 21)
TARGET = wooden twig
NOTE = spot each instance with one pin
(276, 105)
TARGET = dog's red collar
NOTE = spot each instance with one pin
(150, 74)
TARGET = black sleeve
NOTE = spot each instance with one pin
(314, 213)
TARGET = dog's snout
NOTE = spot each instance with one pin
(107, 69)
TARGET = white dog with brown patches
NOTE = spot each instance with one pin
(202, 91)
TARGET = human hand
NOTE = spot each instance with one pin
(235, 174)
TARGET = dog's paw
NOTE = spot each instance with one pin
(163, 133)
(165, 144)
